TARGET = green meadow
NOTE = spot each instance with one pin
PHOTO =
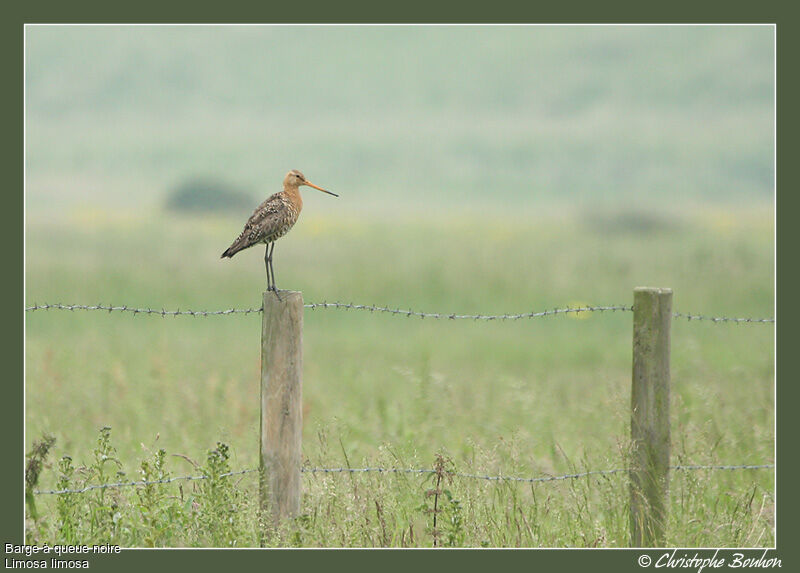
(532, 397)
(481, 170)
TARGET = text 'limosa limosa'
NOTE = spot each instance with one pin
(272, 220)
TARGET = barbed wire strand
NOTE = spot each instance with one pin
(394, 311)
(135, 311)
(138, 482)
(420, 471)
(691, 317)
(738, 467)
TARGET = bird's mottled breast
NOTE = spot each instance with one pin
(283, 221)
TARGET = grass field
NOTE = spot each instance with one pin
(535, 397)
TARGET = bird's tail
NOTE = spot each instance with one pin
(241, 243)
(230, 251)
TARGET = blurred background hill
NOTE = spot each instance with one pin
(416, 118)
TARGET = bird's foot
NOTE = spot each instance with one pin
(275, 289)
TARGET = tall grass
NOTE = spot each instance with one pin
(439, 509)
(531, 397)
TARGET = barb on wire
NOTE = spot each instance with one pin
(419, 471)
(389, 310)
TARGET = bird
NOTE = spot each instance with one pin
(273, 219)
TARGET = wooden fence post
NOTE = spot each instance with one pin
(281, 404)
(650, 436)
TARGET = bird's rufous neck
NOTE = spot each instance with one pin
(293, 192)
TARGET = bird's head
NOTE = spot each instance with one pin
(295, 179)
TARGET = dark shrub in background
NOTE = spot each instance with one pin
(207, 195)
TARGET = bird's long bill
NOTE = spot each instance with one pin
(310, 184)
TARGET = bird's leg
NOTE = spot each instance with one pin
(272, 269)
(266, 266)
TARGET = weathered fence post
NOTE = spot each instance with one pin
(281, 404)
(649, 485)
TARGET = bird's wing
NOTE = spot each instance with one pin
(264, 221)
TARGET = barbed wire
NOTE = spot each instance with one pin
(394, 311)
(530, 479)
(453, 316)
(739, 467)
(419, 471)
(691, 317)
(135, 311)
(137, 482)
(462, 475)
